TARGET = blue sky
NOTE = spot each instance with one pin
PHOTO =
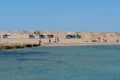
(60, 15)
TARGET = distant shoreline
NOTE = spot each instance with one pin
(80, 44)
(17, 46)
(22, 39)
(53, 45)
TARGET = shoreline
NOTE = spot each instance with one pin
(23, 39)
(17, 46)
(80, 44)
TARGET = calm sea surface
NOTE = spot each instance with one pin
(61, 63)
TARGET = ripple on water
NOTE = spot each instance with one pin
(61, 63)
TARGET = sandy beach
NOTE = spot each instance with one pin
(10, 38)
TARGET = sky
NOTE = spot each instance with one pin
(60, 15)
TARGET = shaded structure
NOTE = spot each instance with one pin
(69, 36)
(46, 36)
(31, 36)
(6, 36)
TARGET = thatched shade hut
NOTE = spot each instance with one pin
(69, 36)
(31, 36)
(46, 36)
(5, 36)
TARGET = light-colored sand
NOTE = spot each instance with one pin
(88, 38)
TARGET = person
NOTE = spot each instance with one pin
(55, 40)
(40, 42)
(0, 39)
(117, 40)
(105, 40)
(58, 39)
(99, 39)
(49, 40)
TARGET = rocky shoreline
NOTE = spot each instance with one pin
(16, 46)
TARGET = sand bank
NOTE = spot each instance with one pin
(21, 39)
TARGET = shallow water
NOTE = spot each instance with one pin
(61, 63)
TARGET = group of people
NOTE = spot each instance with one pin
(101, 40)
(55, 41)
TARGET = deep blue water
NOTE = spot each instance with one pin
(61, 63)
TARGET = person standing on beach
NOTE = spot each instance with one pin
(0, 39)
(58, 39)
(55, 40)
(49, 40)
(40, 42)
(99, 39)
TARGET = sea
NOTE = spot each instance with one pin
(99, 62)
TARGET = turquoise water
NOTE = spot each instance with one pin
(61, 63)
